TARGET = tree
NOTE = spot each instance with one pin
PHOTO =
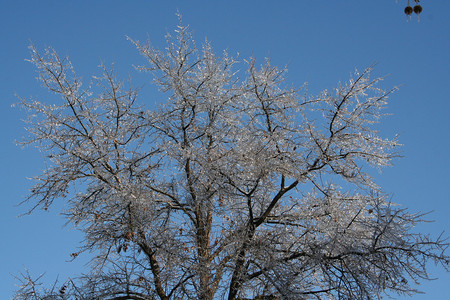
(235, 188)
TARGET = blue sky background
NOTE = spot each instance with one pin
(321, 42)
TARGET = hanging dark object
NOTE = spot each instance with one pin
(417, 9)
(409, 9)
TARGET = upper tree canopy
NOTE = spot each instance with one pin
(235, 187)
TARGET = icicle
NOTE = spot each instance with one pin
(417, 9)
(408, 11)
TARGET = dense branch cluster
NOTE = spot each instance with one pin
(234, 188)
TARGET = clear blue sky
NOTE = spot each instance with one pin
(320, 41)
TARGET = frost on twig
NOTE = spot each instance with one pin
(235, 187)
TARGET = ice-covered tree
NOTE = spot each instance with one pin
(236, 187)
